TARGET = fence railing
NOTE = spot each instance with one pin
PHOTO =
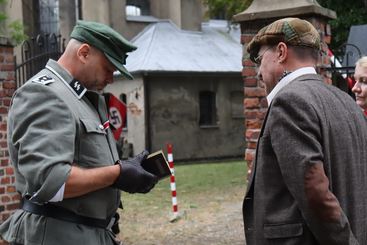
(35, 53)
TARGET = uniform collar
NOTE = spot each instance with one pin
(74, 85)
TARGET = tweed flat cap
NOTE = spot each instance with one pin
(292, 31)
(104, 38)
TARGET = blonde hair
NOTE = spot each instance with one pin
(362, 62)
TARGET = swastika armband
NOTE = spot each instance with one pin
(43, 80)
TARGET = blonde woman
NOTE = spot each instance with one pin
(360, 87)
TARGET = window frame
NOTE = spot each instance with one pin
(208, 117)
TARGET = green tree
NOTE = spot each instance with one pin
(14, 29)
(225, 9)
(17, 34)
(348, 13)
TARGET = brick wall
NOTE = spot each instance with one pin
(255, 103)
(9, 199)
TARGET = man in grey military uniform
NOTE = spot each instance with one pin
(63, 152)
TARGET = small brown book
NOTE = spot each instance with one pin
(157, 164)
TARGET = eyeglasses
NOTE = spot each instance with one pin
(260, 56)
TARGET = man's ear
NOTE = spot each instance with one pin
(282, 52)
(83, 52)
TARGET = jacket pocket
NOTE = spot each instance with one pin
(92, 126)
(282, 230)
(93, 146)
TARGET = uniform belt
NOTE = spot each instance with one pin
(52, 211)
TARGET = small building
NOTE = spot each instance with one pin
(187, 90)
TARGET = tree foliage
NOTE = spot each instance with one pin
(348, 13)
(14, 29)
(225, 9)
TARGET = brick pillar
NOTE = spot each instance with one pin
(255, 103)
(9, 198)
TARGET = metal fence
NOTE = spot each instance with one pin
(342, 66)
(35, 53)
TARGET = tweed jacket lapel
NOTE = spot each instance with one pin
(250, 186)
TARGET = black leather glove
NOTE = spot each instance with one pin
(133, 178)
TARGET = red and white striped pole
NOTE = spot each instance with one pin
(173, 183)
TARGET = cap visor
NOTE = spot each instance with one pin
(119, 66)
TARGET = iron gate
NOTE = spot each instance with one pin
(35, 53)
(342, 66)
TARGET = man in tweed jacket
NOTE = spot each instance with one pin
(309, 180)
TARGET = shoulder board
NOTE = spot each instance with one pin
(43, 80)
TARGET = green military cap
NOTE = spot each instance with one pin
(292, 31)
(104, 38)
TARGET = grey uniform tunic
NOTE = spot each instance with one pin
(54, 123)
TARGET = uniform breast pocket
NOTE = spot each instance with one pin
(93, 144)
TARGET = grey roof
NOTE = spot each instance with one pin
(165, 48)
(356, 45)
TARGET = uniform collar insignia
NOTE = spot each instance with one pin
(77, 88)
(43, 80)
(74, 85)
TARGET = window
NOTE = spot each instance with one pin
(137, 7)
(123, 99)
(133, 10)
(49, 16)
(208, 112)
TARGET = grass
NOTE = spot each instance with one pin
(192, 181)
(204, 193)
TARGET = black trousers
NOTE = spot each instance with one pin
(15, 244)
